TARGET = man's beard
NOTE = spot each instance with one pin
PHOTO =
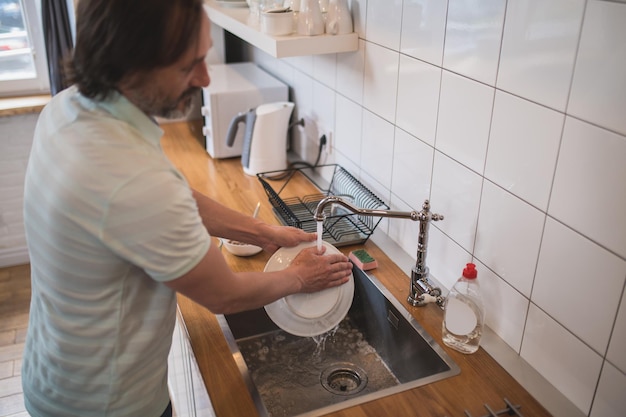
(175, 110)
(168, 109)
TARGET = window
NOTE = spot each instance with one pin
(23, 67)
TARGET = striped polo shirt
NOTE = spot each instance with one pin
(108, 219)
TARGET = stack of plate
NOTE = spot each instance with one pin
(308, 314)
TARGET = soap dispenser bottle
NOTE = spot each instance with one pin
(464, 313)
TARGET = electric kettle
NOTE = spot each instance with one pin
(265, 137)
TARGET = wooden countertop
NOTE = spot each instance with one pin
(481, 381)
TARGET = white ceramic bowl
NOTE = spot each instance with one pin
(277, 23)
(308, 314)
(240, 249)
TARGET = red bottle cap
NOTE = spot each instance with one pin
(470, 272)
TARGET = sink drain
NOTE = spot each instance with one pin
(344, 379)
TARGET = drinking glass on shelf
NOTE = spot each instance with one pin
(293, 5)
(266, 5)
(310, 18)
(254, 7)
(323, 6)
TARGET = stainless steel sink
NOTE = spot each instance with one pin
(377, 350)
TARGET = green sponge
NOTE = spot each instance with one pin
(362, 259)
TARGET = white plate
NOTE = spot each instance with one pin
(308, 314)
(232, 3)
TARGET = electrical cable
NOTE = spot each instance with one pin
(305, 164)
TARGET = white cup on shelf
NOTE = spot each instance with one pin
(338, 18)
(277, 22)
(310, 18)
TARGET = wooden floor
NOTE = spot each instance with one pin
(14, 302)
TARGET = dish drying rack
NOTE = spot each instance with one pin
(341, 227)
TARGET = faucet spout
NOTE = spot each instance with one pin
(320, 216)
(422, 290)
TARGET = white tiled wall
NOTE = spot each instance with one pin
(510, 116)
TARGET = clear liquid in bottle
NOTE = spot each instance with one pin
(463, 319)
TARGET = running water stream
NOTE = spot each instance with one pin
(320, 341)
(320, 232)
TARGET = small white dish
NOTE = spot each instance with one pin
(240, 249)
(309, 314)
(277, 22)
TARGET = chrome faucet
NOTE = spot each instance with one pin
(422, 290)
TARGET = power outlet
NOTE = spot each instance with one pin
(323, 145)
(320, 145)
(326, 154)
(307, 142)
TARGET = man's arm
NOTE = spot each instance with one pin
(214, 285)
(221, 221)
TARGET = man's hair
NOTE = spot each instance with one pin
(116, 38)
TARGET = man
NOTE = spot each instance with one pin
(113, 229)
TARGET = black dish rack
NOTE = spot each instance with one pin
(341, 227)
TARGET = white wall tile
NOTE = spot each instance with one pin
(323, 117)
(423, 29)
(303, 98)
(304, 63)
(465, 108)
(473, 38)
(279, 68)
(348, 125)
(384, 20)
(349, 165)
(590, 178)
(412, 168)
(381, 80)
(404, 232)
(381, 192)
(377, 148)
(599, 88)
(350, 67)
(325, 69)
(539, 49)
(617, 346)
(418, 98)
(523, 148)
(560, 278)
(455, 193)
(508, 237)
(302, 93)
(561, 358)
(505, 307)
(283, 71)
(445, 258)
(323, 111)
(610, 400)
(358, 8)
(260, 58)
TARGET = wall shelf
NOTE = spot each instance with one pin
(237, 21)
